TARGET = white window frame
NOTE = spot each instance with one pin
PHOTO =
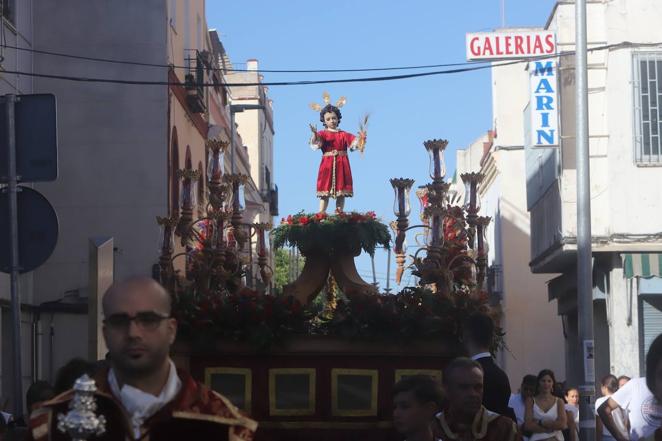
(642, 101)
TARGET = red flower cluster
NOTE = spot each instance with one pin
(455, 227)
(305, 219)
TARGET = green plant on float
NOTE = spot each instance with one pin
(324, 233)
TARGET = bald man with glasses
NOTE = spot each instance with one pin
(142, 395)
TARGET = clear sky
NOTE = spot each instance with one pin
(299, 34)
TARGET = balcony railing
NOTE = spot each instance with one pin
(195, 80)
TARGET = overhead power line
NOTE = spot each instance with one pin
(141, 63)
(469, 68)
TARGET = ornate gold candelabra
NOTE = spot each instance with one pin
(471, 202)
(482, 223)
(168, 226)
(236, 181)
(401, 208)
(436, 268)
(216, 260)
(189, 178)
(266, 272)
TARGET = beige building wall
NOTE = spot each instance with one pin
(534, 333)
(256, 128)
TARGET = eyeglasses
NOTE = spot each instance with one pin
(148, 320)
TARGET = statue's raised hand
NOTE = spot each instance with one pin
(316, 137)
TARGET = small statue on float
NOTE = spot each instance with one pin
(334, 179)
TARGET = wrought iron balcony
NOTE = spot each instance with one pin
(195, 80)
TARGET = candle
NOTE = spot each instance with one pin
(437, 163)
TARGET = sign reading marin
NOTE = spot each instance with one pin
(542, 72)
(544, 103)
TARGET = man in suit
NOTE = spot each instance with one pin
(478, 335)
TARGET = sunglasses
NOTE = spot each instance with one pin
(147, 320)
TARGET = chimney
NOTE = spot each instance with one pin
(251, 64)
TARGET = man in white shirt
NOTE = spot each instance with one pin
(644, 410)
(142, 395)
(517, 401)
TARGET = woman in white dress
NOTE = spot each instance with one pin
(545, 415)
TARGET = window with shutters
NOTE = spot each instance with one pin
(651, 321)
(648, 120)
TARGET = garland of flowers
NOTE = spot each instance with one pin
(206, 315)
(324, 232)
(205, 318)
(415, 313)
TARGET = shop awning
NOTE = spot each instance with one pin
(642, 265)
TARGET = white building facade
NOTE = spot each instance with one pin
(533, 331)
(625, 131)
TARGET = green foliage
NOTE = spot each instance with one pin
(283, 267)
(322, 232)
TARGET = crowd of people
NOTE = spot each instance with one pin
(143, 395)
(474, 401)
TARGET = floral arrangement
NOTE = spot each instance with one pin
(325, 232)
(236, 313)
(414, 313)
(260, 319)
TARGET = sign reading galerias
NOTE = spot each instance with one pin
(543, 82)
(519, 44)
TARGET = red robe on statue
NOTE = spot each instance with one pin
(335, 176)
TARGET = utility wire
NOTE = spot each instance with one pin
(370, 69)
(330, 81)
(140, 63)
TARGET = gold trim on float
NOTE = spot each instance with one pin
(372, 411)
(248, 382)
(312, 382)
(325, 425)
(210, 418)
(434, 373)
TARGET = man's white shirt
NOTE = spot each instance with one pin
(643, 409)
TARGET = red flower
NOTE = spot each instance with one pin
(290, 220)
(303, 220)
(320, 216)
(371, 215)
